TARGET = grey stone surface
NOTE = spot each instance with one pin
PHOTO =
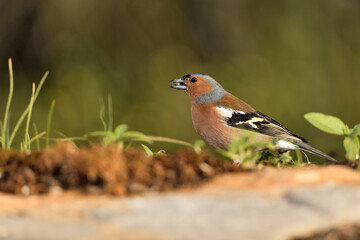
(215, 213)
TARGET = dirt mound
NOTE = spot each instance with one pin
(104, 170)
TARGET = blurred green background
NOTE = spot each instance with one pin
(285, 58)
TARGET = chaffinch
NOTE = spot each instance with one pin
(218, 115)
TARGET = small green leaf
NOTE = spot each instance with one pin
(352, 147)
(120, 130)
(160, 152)
(198, 145)
(109, 138)
(147, 150)
(356, 130)
(326, 123)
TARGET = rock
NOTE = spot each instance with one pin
(273, 204)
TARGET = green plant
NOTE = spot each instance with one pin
(334, 125)
(198, 145)
(5, 124)
(245, 150)
(151, 153)
(38, 136)
(250, 152)
(120, 135)
(26, 143)
(6, 134)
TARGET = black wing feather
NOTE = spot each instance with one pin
(262, 124)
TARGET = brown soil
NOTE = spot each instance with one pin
(267, 179)
(104, 170)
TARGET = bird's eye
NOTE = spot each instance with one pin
(194, 79)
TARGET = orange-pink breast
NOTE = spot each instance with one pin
(210, 125)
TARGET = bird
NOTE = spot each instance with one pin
(217, 116)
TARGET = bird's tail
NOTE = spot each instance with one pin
(307, 148)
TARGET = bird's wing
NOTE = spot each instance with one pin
(256, 121)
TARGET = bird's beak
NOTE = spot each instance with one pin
(178, 84)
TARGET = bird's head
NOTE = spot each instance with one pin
(200, 88)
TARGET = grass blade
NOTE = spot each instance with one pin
(27, 136)
(37, 139)
(5, 125)
(147, 150)
(49, 119)
(22, 117)
(70, 139)
(110, 113)
(102, 114)
(169, 140)
(64, 138)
